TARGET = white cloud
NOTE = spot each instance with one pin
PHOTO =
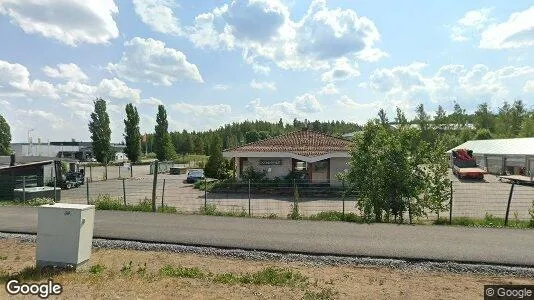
(15, 81)
(301, 107)
(342, 70)
(329, 89)
(470, 24)
(52, 120)
(408, 84)
(148, 60)
(117, 89)
(345, 102)
(307, 103)
(69, 21)
(529, 86)
(66, 71)
(265, 33)
(263, 85)
(203, 110)
(152, 101)
(221, 87)
(158, 15)
(516, 32)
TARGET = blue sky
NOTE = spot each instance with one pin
(214, 62)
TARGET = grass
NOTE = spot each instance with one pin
(488, 221)
(211, 210)
(324, 294)
(97, 270)
(33, 274)
(106, 202)
(182, 272)
(32, 202)
(268, 276)
(337, 216)
(3, 257)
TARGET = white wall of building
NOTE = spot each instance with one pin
(275, 170)
(337, 165)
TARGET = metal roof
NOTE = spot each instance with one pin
(517, 146)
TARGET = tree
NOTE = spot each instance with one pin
(459, 116)
(383, 117)
(527, 126)
(483, 134)
(100, 132)
(484, 118)
(216, 167)
(440, 116)
(162, 141)
(394, 171)
(5, 137)
(401, 118)
(132, 136)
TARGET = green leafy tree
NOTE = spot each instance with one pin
(162, 141)
(483, 134)
(484, 118)
(5, 137)
(100, 132)
(441, 116)
(459, 117)
(527, 126)
(132, 136)
(396, 171)
(216, 167)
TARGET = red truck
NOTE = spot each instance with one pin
(464, 165)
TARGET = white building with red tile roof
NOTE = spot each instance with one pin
(321, 155)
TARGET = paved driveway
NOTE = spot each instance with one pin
(436, 243)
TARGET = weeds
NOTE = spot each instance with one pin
(106, 202)
(3, 257)
(488, 221)
(324, 294)
(31, 202)
(34, 274)
(96, 270)
(211, 210)
(127, 269)
(181, 272)
(337, 216)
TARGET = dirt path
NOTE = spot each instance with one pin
(331, 282)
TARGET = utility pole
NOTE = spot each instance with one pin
(29, 141)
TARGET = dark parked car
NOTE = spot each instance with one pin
(194, 175)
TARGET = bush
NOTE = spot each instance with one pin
(337, 216)
(250, 174)
(296, 175)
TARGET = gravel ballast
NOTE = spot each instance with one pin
(454, 267)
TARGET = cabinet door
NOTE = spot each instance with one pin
(63, 222)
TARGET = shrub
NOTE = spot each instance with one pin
(181, 272)
(297, 175)
(337, 216)
(250, 174)
(208, 210)
(97, 270)
(107, 202)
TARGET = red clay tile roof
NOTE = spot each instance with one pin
(305, 143)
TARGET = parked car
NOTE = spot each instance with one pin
(195, 175)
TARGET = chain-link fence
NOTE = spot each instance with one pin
(278, 199)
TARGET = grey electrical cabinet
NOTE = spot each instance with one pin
(64, 234)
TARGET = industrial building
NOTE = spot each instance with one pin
(82, 151)
(503, 156)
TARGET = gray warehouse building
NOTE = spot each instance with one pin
(503, 156)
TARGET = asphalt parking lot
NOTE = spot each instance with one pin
(470, 198)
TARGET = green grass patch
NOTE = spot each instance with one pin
(34, 274)
(32, 202)
(211, 210)
(97, 270)
(488, 221)
(268, 276)
(337, 216)
(181, 272)
(106, 202)
(3, 257)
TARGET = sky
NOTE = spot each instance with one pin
(213, 62)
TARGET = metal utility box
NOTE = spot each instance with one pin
(64, 234)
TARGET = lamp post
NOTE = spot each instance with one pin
(29, 141)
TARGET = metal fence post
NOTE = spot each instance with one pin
(55, 186)
(106, 171)
(163, 194)
(91, 173)
(343, 195)
(87, 187)
(450, 206)
(508, 205)
(124, 191)
(119, 171)
(24, 188)
(131, 170)
(249, 198)
(154, 185)
(205, 193)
